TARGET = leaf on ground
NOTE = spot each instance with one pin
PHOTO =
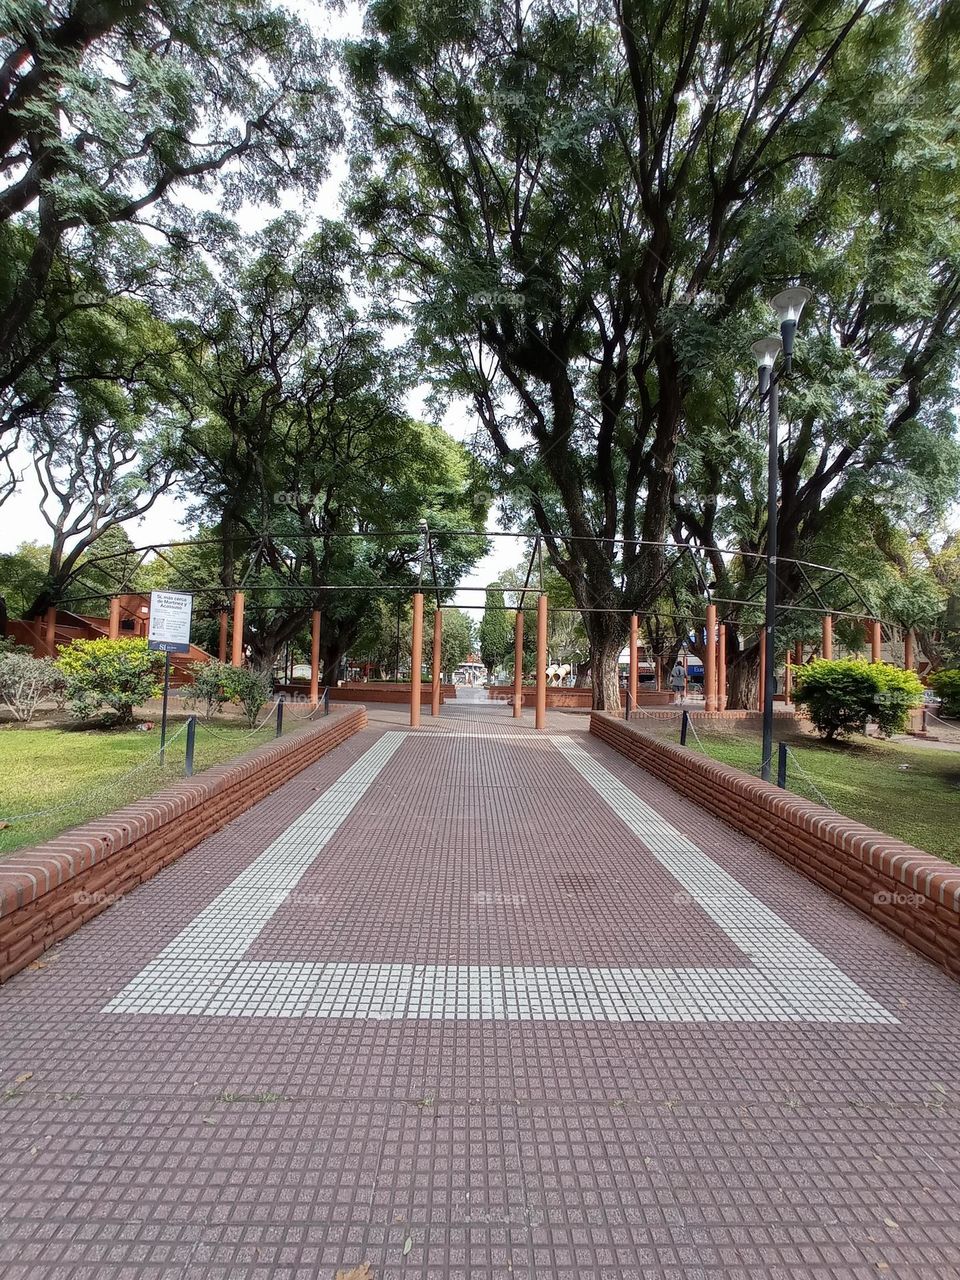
(407, 1245)
(363, 1272)
(23, 1077)
(889, 1222)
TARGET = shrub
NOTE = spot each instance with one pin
(119, 674)
(248, 688)
(841, 696)
(946, 685)
(26, 681)
(211, 688)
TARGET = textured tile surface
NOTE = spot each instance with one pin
(467, 874)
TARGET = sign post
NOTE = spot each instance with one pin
(171, 613)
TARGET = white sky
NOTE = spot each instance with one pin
(21, 519)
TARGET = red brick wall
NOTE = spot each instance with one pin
(49, 891)
(911, 893)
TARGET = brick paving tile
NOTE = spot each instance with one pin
(475, 1002)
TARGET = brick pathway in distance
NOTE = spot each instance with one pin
(522, 1124)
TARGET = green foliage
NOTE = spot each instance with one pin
(496, 630)
(23, 574)
(248, 688)
(211, 686)
(841, 696)
(946, 685)
(26, 681)
(119, 674)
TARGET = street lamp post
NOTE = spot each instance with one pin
(788, 304)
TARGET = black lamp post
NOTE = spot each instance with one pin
(788, 304)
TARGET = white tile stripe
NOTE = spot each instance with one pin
(202, 970)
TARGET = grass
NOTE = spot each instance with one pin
(911, 792)
(55, 778)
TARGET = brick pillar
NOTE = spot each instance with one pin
(788, 680)
(798, 654)
(540, 717)
(826, 641)
(876, 641)
(315, 658)
(908, 651)
(113, 629)
(236, 656)
(222, 642)
(763, 669)
(50, 630)
(710, 660)
(518, 664)
(437, 655)
(416, 660)
(722, 666)
(634, 659)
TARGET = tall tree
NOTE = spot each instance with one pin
(552, 184)
(496, 636)
(304, 459)
(110, 111)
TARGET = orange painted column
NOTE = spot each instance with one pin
(798, 653)
(763, 669)
(710, 660)
(876, 641)
(540, 718)
(518, 664)
(826, 642)
(788, 679)
(51, 630)
(222, 642)
(658, 673)
(114, 626)
(416, 660)
(722, 666)
(634, 660)
(236, 656)
(908, 651)
(315, 658)
(437, 647)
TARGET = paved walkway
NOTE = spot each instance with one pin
(475, 1002)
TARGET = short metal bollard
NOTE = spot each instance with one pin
(781, 764)
(684, 723)
(280, 715)
(326, 702)
(191, 739)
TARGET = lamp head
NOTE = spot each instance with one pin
(766, 352)
(788, 304)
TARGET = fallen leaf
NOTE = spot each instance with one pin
(363, 1272)
(889, 1222)
(23, 1077)
(407, 1245)
(38, 964)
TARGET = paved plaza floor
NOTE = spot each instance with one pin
(473, 1001)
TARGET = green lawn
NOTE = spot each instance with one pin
(909, 792)
(52, 779)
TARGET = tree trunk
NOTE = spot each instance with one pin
(743, 679)
(607, 633)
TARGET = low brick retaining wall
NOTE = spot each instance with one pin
(49, 891)
(911, 893)
(371, 692)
